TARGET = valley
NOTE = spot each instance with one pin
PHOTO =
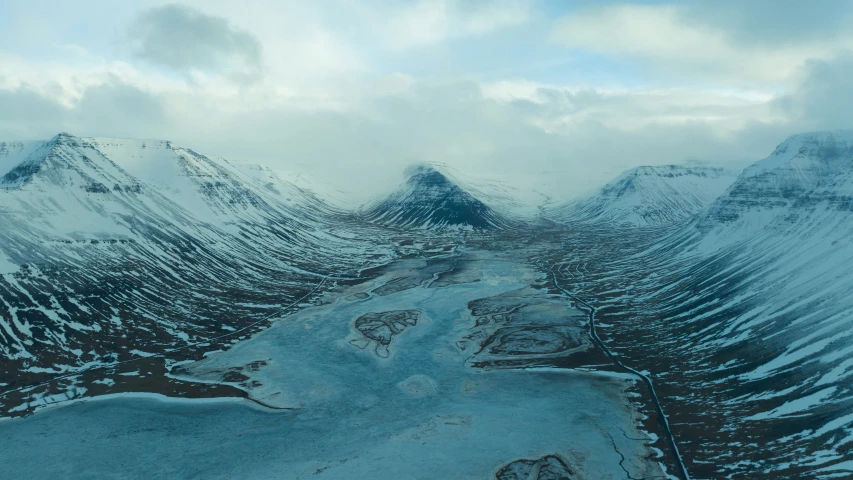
(682, 322)
(431, 360)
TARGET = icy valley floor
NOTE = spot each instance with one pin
(435, 369)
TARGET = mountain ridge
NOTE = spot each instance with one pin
(651, 196)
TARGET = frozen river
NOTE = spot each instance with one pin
(402, 377)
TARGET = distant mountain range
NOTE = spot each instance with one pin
(649, 196)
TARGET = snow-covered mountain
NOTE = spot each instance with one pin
(430, 200)
(517, 198)
(119, 249)
(648, 196)
(298, 197)
(745, 316)
(780, 246)
(244, 200)
(739, 310)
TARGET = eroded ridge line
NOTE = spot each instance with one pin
(648, 381)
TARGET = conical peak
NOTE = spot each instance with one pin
(426, 175)
(422, 169)
(432, 200)
(64, 138)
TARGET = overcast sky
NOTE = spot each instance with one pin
(562, 94)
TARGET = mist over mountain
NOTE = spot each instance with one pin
(649, 196)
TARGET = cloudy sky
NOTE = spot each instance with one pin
(562, 95)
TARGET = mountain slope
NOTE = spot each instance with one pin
(745, 316)
(301, 200)
(649, 196)
(228, 196)
(514, 198)
(430, 200)
(101, 266)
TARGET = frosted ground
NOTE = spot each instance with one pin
(380, 382)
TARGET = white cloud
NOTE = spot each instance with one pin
(492, 16)
(423, 23)
(824, 96)
(674, 42)
(407, 25)
(188, 41)
(324, 99)
(570, 138)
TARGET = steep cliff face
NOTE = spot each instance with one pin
(771, 261)
(429, 200)
(806, 174)
(649, 196)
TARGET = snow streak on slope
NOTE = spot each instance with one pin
(301, 199)
(13, 154)
(110, 248)
(430, 200)
(747, 315)
(234, 199)
(327, 193)
(182, 174)
(649, 196)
